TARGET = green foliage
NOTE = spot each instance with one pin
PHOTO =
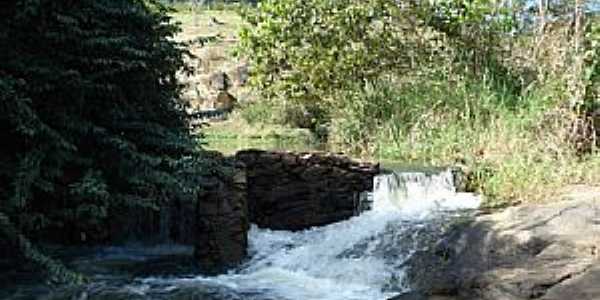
(91, 117)
(592, 66)
(56, 271)
(260, 112)
(306, 51)
(393, 113)
(478, 83)
(313, 52)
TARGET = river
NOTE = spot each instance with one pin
(361, 258)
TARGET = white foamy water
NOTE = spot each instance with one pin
(420, 194)
(360, 258)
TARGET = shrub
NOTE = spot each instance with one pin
(304, 52)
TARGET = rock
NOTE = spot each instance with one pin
(528, 252)
(219, 81)
(225, 101)
(419, 296)
(240, 74)
(295, 191)
(190, 94)
(214, 22)
(222, 223)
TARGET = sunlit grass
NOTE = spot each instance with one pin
(236, 134)
(511, 155)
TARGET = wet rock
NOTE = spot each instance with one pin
(221, 221)
(419, 296)
(527, 252)
(295, 191)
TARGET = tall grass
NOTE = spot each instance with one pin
(510, 146)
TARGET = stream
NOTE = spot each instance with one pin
(361, 258)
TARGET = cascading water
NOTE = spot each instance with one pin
(361, 258)
(420, 193)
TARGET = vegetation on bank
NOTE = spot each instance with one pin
(91, 121)
(193, 7)
(236, 133)
(508, 92)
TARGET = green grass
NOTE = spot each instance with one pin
(188, 7)
(511, 153)
(236, 134)
(506, 161)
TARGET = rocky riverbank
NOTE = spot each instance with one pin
(275, 190)
(295, 191)
(536, 251)
(544, 251)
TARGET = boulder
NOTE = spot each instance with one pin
(546, 251)
(224, 101)
(219, 81)
(295, 191)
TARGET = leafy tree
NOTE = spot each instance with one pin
(592, 70)
(312, 52)
(90, 117)
(306, 51)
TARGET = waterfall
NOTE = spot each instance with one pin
(421, 193)
(361, 258)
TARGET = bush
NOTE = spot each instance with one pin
(304, 52)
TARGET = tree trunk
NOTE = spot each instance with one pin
(578, 23)
(542, 17)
